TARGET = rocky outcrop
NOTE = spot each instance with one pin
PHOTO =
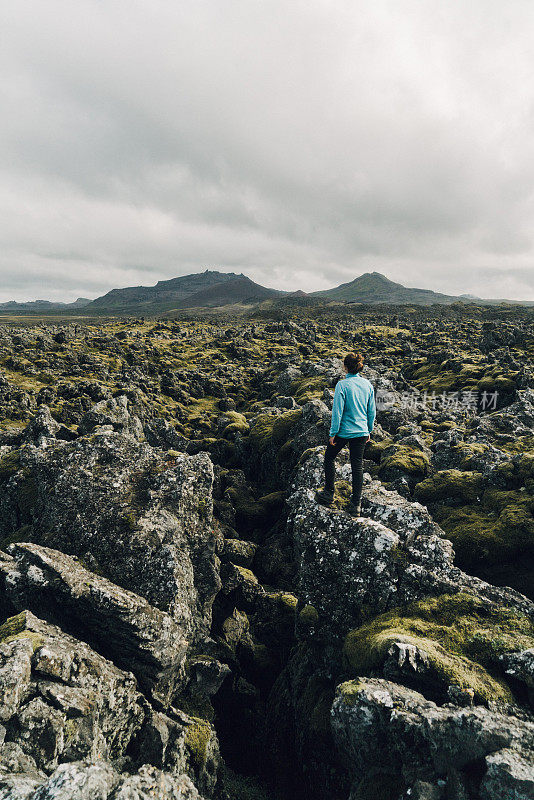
(99, 781)
(131, 513)
(136, 635)
(125, 601)
(456, 752)
(392, 556)
(60, 700)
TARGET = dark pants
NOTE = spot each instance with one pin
(356, 447)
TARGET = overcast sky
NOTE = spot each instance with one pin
(302, 143)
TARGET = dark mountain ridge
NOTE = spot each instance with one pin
(214, 289)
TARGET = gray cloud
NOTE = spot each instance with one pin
(302, 143)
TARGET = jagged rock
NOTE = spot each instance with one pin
(100, 781)
(17, 787)
(61, 700)
(349, 567)
(139, 517)
(123, 625)
(114, 412)
(206, 675)
(78, 781)
(517, 419)
(152, 784)
(160, 433)
(520, 666)
(179, 743)
(420, 741)
(43, 426)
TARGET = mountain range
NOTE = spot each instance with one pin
(213, 289)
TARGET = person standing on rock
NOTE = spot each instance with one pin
(353, 417)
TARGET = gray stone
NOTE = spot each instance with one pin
(120, 623)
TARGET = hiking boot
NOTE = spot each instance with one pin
(354, 509)
(324, 497)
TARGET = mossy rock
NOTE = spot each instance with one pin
(197, 738)
(461, 636)
(450, 484)
(306, 389)
(273, 431)
(261, 513)
(497, 531)
(237, 423)
(308, 615)
(374, 450)
(236, 427)
(15, 628)
(9, 464)
(401, 459)
(195, 705)
(428, 425)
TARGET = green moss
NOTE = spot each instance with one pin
(129, 520)
(289, 601)
(203, 509)
(305, 455)
(15, 628)
(450, 484)
(374, 450)
(462, 637)
(9, 464)
(236, 427)
(350, 691)
(306, 389)
(428, 425)
(246, 574)
(197, 738)
(70, 729)
(499, 529)
(404, 459)
(270, 431)
(491, 383)
(308, 615)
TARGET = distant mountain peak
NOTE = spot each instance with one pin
(373, 287)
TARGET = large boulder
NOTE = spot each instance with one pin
(138, 516)
(352, 568)
(390, 738)
(59, 699)
(123, 625)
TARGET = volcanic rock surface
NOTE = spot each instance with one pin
(181, 619)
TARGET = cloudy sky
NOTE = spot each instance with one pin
(302, 142)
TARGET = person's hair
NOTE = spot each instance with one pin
(353, 362)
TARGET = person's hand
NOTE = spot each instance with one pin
(368, 438)
(332, 439)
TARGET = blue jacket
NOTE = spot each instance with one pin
(353, 411)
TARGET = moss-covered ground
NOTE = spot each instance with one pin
(461, 637)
